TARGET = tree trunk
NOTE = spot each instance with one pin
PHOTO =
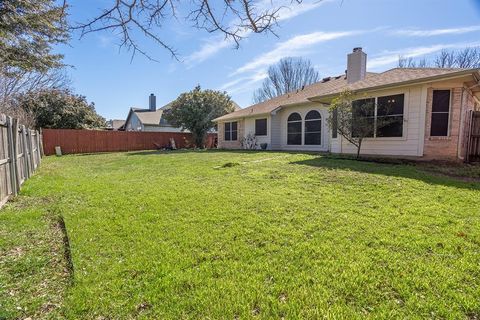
(358, 148)
(199, 138)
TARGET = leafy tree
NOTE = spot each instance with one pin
(288, 75)
(195, 110)
(28, 31)
(60, 109)
(353, 118)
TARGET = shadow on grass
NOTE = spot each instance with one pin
(239, 151)
(409, 171)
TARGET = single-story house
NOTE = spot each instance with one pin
(431, 104)
(150, 119)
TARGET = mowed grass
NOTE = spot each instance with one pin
(227, 235)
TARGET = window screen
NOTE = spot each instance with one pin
(261, 127)
(390, 116)
(440, 113)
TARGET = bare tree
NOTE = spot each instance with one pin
(445, 59)
(288, 75)
(466, 58)
(233, 19)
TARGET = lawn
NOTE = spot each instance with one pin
(227, 235)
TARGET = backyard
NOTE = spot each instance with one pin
(227, 235)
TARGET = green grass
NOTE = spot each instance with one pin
(222, 235)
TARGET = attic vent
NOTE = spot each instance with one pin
(326, 79)
(338, 77)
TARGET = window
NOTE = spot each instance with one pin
(364, 115)
(335, 124)
(230, 131)
(313, 128)
(381, 116)
(261, 127)
(390, 109)
(294, 129)
(440, 113)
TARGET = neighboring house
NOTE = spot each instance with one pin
(432, 105)
(149, 119)
(116, 125)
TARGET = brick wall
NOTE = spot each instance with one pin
(444, 148)
(222, 144)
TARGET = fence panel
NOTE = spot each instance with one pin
(20, 156)
(91, 141)
(473, 147)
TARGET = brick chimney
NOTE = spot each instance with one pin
(152, 102)
(356, 65)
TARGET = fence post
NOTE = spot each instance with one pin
(40, 142)
(12, 128)
(25, 152)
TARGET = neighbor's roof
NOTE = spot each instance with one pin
(334, 85)
(116, 123)
(153, 118)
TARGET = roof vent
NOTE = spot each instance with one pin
(303, 87)
(326, 79)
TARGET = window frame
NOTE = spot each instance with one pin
(405, 113)
(266, 127)
(301, 128)
(305, 132)
(230, 131)
(449, 113)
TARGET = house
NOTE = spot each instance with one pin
(431, 105)
(115, 125)
(150, 119)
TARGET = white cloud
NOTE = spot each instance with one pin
(218, 43)
(293, 46)
(387, 58)
(436, 32)
(248, 75)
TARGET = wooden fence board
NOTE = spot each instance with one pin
(20, 156)
(92, 141)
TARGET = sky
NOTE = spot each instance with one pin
(322, 31)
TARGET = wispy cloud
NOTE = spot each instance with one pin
(436, 32)
(390, 57)
(248, 75)
(215, 44)
(293, 46)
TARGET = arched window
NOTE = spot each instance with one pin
(294, 129)
(313, 128)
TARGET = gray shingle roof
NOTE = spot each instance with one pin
(335, 85)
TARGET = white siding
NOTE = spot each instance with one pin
(275, 131)
(303, 110)
(250, 129)
(133, 123)
(413, 123)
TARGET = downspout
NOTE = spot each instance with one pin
(461, 127)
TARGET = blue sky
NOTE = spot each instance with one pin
(322, 31)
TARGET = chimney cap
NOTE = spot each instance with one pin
(356, 49)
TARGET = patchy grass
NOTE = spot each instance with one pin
(169, 235)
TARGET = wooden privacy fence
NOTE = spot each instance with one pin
(92, 141)
(20, 155)
(473, 140)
